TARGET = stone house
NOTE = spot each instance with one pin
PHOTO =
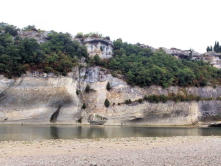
(213, 58)
(98, 46)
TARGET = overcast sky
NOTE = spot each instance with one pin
(182, 24)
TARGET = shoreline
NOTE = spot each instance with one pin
(139, 151)
(200, 125)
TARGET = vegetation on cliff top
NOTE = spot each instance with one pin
(58, 54)
(142, 67)
(216, 48)
(139, 66)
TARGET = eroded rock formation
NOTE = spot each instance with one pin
(46, 98)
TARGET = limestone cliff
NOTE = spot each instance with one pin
(42, 98)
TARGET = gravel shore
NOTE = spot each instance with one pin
(149, 151)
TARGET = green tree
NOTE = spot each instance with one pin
(209, 48)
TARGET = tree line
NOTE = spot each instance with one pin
(216, 48)
(143, 67)
(138, 66)
(18, 55)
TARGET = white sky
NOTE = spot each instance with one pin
(183, 24)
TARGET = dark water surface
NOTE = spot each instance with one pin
(38, 132)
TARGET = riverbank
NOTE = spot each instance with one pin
(200, 124)
(165, 151)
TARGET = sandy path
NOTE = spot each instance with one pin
(179, 151)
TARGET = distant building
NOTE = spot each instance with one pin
(146, 46)
(98, 46)
(213, 58)
(183, 54)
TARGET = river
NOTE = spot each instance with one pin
(41, 132)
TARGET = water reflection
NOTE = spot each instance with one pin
(36, 132)
(54, 132)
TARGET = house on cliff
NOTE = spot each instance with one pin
(103, 47)
(213, 58)
(183, 54)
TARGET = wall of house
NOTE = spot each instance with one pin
(102, 50)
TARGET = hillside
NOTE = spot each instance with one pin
(29, 49)
(50, 77)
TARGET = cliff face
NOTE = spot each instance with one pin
(36, 98)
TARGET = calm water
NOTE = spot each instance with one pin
(36, 132)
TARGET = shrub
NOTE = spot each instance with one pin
(108, 87)
(153, 99)
(84, 106)
(87, 89)
(78, 91)
(218, 98)
(145, 98)
(30, 28)
(80, 120)
(107, 103)
(97, 60)
(171, 97)
(140, 100)
(128, 101)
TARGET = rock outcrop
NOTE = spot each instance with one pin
(102, 47)
(46, 98)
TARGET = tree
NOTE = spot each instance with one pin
(12, 30)
(97, 60)
(63, 42)
(79, 35)
(216, 47)
(209, 48)
(106, 103)
(186, 77)
(30, 28)
(59, 54)
(29, 51)
(140, 66)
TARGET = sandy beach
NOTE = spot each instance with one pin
(169, 151)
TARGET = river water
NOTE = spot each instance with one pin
(38, 132)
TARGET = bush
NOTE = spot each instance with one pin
(78, 91)
(107, 103)
(30, 28)
(171, 97)
(128, 101)
(84, 106)
(87, 89)
(140, 100)
(97, 60)
(108, 87)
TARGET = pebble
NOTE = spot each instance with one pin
(162, 151)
